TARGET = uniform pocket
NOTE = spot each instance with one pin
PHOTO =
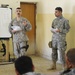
(50, 44)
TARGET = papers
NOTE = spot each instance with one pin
(54, 30)
(17, 28)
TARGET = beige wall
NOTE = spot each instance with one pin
(15, 3)
(45, 16)
(44, 35)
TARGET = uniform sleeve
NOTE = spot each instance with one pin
(10, 27)
(66, 27)
(28, 26)
(53, 24)
(68, 73)
(52, 27)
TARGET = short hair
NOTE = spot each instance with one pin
(18, 8)
(71, 55)
(24, 64)
(58, 8)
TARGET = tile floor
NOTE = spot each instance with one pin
(41, 65)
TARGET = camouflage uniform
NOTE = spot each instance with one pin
(20, 38)
(59, 38)
(33, 73)
(72, 72)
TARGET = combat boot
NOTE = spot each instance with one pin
(53, 66)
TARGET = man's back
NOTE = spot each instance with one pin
(72, 72)
(33, 73)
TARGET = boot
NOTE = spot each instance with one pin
(53, 66)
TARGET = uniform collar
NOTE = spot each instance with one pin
(29, 73)
(19, 20)
(60, 17)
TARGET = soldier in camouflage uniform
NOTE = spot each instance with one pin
(20, 38)
(70, 61)
(60, 27)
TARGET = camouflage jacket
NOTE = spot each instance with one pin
(32, 73)
(20, 36)
(63, 25)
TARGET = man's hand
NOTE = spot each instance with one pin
(13, 31)
(24, 23)
(57, 30)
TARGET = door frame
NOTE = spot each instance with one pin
(35, 3)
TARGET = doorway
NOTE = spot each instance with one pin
(29, 12)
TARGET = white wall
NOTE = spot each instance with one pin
(48, 6)
(15, 3)
(45, 16)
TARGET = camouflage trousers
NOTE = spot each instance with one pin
(61, 46)
(18, 51)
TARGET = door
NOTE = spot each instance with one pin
(29, 12)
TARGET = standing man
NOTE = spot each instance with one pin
(60, 27)
(18, 27)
